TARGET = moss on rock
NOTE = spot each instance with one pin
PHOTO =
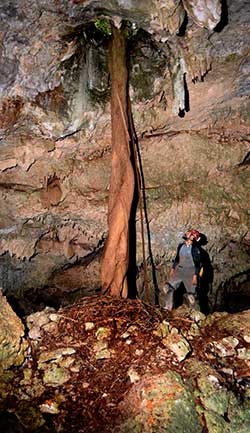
(161, 403)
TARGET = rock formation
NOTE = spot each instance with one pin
(189, 86)
(80, 362)
(12, 342)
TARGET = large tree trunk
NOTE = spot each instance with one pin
(116, 252)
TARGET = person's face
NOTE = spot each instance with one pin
(189, 241)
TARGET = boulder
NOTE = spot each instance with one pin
(12, 342)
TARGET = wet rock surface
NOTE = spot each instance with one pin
(111, 365)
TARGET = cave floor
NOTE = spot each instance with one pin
(81, 368)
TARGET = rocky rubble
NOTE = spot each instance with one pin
(109, 365)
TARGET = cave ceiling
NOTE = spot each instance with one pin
(189, 86)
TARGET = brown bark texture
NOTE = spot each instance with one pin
(116, 252)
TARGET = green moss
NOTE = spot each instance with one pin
(239, 415)
(168, 407)
(216, 423)
(104, 26)
(212, 399)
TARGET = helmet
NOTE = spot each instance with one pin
(193, 235)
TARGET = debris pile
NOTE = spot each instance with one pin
(112, 365)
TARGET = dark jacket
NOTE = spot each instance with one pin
(196, 254)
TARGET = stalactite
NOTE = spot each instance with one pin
(205, 13)
(177, 72)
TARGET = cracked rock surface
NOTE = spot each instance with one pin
(185, 57)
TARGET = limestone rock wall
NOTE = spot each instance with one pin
(189, 76)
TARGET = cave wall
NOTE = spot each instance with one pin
(189, 86)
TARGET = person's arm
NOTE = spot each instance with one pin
(177, 257)
(175, 261)
(197, 264)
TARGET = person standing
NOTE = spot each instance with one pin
(185, 271)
